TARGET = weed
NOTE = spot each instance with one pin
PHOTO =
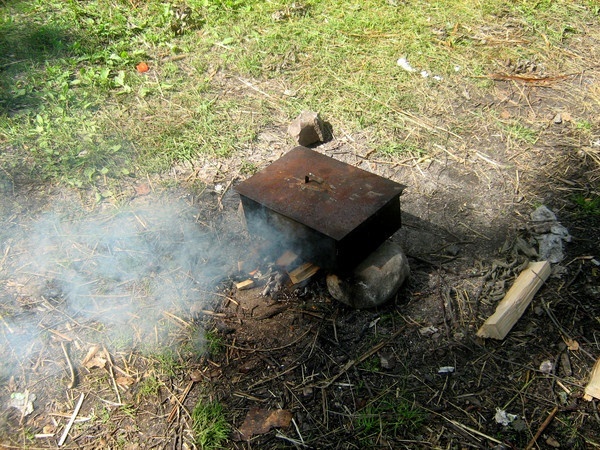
(149, 387)
(521, 133)
(396, 417)
(583, 125)
(168, 362)
(129, 410)
(370, 364)
(248, 168)
(368, 420)
(587, 205)
(209, 425)
(214, 343)
(402, 148)
(203, 342)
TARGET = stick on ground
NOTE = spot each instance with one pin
(71, 420)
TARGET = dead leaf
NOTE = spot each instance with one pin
(260, 421)
(572, 344)
(96, 361)
(142, 189)
(92, 359)
(125, 381)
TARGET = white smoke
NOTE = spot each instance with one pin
(117, 270)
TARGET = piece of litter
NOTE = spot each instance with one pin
(457, 68)
(219, 188)
(546, 366)
(504, 418)
(437, 78)
(23, 401)
(428, 331)
(446, 369)
(403, 62)
(424, 73)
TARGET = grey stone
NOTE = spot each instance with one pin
(550, 234)
(543, 214)
(551, 248)
(307, 128)
(374, 281)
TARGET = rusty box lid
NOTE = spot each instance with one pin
(320, 192)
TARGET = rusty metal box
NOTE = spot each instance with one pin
(329, 212)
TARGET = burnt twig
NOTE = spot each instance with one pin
(363, 357)
(542, 428)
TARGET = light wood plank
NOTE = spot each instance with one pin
(592, 390)
(516, 301)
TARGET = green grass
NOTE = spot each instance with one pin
(167, 362)
(209, 426)
(74, 110)
(587, 205)
(389, 418)
(149, 387)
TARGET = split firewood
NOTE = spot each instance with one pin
(303, 272)
(516, 301)
(592, 390)
(246, 284)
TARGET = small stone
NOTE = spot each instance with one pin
(307, 128)
(557, 119)
(552, 442)
(374, 281)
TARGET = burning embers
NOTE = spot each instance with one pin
(329, 212)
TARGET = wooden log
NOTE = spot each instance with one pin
(246, 284)
(592, 390)
(303, 272)
(516, 301)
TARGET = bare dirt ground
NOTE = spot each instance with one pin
(90, 293)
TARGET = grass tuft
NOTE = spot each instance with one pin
(391, 418)
(209, 425)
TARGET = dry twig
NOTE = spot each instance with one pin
(542, 428)
(71, 369)
(70, 423)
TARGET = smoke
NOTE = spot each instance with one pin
(114, 272)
